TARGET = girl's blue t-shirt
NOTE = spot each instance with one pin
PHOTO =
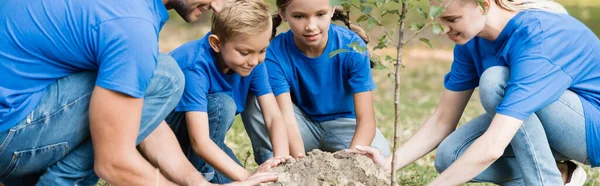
(203, 76)
(322, 87)
(44, 40)
(547, 54)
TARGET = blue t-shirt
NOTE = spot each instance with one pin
(322, 87)
(45, 40)
(203, 76)
(547, 54)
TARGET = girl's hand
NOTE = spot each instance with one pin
(375, 154)
(256, 178)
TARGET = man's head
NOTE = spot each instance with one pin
(190, 10)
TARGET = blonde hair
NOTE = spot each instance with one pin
(241, 17)
(545, 5)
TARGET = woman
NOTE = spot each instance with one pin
(538, 70)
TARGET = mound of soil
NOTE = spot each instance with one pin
(324, 168)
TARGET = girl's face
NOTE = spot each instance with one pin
(243, 52)
(309, 21)
(462, 20)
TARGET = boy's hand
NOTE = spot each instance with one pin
(273, 162)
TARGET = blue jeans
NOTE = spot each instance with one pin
(52, 146)
(554, 133)
(328, 136)
(221, 114)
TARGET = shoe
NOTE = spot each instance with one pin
(577, 175)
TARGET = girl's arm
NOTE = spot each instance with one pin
(296, 144)
(208, 150)
(482, 153)
(438, 126)
(275, 124)
(365, 119)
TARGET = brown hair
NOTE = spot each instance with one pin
(338, 15)
(241, 17)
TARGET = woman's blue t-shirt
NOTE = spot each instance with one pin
(547, 54)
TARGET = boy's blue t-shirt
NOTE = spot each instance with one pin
(45, 40)
(203, 76)
(547, 54)
(322, 87)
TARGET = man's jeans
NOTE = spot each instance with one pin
(52, 146)
(329, 136)
(221, 114)
(555, 132)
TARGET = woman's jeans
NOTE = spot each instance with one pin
(52, 146)
(554, 133)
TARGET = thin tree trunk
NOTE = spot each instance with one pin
(398, 66)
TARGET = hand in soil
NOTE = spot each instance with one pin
(374, 154)
(273, 162)
(256, 178)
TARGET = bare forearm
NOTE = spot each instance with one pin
(364, 134)
(174, 165)
(296, 144)
(278, 136)
(425, 140)
(217, 158)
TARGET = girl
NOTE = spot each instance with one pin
(220, 69)
(326, 102)
(538, 70)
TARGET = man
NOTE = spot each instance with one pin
(82, 84)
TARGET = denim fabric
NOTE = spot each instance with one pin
(555, 132)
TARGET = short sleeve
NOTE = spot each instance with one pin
(463, 73)
(259, 84)
(127, 51)
(277, 78)
(535, 81)
(360, 76)
(195, 92)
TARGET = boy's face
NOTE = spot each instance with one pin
(243, 52)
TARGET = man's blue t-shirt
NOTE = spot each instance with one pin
(547, 54)
(203, 76)
(322, 87)
(45, 40)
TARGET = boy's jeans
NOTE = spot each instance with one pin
(52, 146)
(221, 113)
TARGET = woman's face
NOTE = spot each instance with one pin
(462, 20)
(309, 20)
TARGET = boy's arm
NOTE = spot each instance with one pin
(275, 125)
(197, 123)
(284, 101)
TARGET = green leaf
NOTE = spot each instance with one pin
(366, 9)
(356, 46)
(416, 26)
(371, 23)
(436, 11)
(363, 1)
(362, 18)
(336, 52)
(382, 43)
(426, 41)
(388, 11)
(421, 13)
(437, 28)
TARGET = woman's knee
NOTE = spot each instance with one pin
(492, 85)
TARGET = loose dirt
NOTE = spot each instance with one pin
(324, 168)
